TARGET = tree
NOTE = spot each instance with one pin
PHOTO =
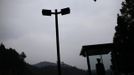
(11, 62)
(122, 55)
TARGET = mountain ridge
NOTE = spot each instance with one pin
(50, 68)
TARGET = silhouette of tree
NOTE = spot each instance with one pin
(11, 63)
(22, 56)
(122, 55)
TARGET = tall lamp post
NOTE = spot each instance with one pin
(64, 11)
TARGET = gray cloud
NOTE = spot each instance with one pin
(23, 27)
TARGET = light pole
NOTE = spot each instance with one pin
(64, 11)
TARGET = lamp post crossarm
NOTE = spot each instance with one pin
(55, 13)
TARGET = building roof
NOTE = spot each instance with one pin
(97, 49)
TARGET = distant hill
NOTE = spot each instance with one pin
(50, 64)
(44, 64)
(48, 68)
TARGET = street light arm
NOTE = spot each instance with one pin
(55, 12)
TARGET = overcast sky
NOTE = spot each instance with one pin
(23, 28)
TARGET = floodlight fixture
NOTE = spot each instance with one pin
(65, 11)
(46, 12)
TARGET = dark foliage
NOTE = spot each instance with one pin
(122, 55)
(11, 63)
